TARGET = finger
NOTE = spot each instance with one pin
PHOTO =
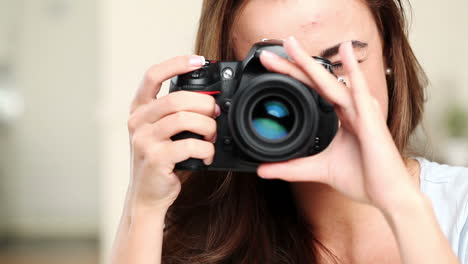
(327, 85)
(366, 105)
(275, 63)
(172, 103)
(356, 77)
(184, 149)
(157, 74)
(184, 121)
(312, 168)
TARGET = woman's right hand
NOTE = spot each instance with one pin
(151, 125)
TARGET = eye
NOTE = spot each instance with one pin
(338, 66)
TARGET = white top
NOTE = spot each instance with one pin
(447, 188)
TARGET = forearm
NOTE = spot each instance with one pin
(140, 237)
(418, 234)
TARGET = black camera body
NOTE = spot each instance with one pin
(265, 117)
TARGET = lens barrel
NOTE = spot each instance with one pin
(274, 118)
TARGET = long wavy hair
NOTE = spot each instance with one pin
(230, 217)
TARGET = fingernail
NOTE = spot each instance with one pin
(268, 169)
(217, 111)
(262, 172)
(196, 60)
(292, 40)
(214, 138)
(268, 54)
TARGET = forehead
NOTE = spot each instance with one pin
(318, 24)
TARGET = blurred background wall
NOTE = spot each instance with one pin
(75, 65)
(439, 37)
(49, 159)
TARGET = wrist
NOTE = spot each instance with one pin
(407, 203)
(145, 218)
(137, 210)
(143, 205)
(149, 211)
(140, 235)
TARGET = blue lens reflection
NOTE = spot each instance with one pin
(272, 119)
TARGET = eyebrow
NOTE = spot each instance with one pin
(330, 52)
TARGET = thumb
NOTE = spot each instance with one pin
(312, 168)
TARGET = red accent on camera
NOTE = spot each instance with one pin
(208, 92)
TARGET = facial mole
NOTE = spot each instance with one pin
(309, 24)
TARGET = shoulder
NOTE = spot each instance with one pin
(441, 181)
(441, 173)
(450, 181)
(447, 188)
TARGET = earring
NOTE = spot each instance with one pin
(341, 80)
(389, 71)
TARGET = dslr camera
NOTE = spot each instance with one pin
(265, 116)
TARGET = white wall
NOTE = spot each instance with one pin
(7, 11)
(49, 159)
(439, 36)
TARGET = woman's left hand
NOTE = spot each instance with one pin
(362, 162)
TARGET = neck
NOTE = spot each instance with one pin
(330, 214)
(339, 222)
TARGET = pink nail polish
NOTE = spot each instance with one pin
(196, 60)
(214, 138)
(217, 110)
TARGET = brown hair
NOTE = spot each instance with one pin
(234, 218)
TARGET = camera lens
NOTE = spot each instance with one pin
(272, 118)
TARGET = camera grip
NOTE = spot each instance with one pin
(190, 164)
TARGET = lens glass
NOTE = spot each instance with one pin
(272, 118)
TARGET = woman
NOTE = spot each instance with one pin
(359, 201)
